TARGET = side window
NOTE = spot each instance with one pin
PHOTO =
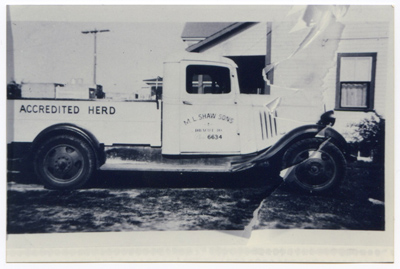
(204, 79)
(355, 81)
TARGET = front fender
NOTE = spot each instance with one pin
(308, 131)
(277, 150)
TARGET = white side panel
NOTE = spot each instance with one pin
(209, 129)
(171, 108)
(246, 124)
(110, 122)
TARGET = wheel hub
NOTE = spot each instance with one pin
(62, 163)
(315, 168)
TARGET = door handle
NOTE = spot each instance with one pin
(187, 103)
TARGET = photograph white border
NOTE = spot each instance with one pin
(208, 246)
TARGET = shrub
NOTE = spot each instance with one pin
(369, 137)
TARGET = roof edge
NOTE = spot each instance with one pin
(222, 35)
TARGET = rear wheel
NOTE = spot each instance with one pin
(64, 162)
(314, 166)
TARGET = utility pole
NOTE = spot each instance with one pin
(94, 32)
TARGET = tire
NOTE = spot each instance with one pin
(314, 166)
(64, 162)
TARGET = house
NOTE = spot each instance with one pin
(317, 58)
(155, 85)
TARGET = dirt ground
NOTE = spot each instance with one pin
(358, 205)
(131, 201)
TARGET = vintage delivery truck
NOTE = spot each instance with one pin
(201, 122)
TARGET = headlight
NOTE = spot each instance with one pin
(327, 119)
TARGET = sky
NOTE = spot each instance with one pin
(54, 50)
(48, 46)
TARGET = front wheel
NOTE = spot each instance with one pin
(314, 166)
(64, 162)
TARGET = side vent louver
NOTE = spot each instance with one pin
(268, 125)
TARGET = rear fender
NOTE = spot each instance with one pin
(72, 129)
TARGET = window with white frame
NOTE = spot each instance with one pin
(355, 81)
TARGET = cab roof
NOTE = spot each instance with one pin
(200, 57)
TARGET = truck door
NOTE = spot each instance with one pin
(208, 118)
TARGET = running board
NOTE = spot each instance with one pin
(161, 167)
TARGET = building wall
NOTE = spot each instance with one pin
(301, 66)
(361, 37)
(306, 68)
(252, 41)
(307, 79)
(364, 37)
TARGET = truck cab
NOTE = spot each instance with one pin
(205, 113)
